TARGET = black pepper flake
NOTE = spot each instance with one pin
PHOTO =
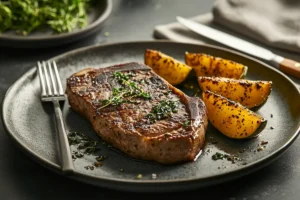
(258, 86)
(264, 142)
(214, 142)
(89, 167)
(271, 127)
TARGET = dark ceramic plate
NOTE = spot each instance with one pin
(98, 15)
(31, 125)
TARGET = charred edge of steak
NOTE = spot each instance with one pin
(172, 145)
(121, 67)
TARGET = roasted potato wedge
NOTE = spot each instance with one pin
(249, 93)
(172, 70)
(231, 118)
(207, 65)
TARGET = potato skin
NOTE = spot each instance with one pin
(207, 65)
(231, 118)
(172, 70)
(249, 93)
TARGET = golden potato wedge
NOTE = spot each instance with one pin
(172, 70)
(231, 118)
(249, 93)
(207, 65)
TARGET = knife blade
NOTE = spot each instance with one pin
(285, 65)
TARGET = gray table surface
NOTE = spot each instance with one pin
(22, 178)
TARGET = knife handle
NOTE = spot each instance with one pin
(290, 67)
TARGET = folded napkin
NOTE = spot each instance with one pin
(272, 24)
(275, 23)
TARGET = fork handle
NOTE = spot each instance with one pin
(65, 152)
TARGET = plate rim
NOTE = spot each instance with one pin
(225, 175)
(89, 27)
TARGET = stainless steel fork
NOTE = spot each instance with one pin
(52, 91)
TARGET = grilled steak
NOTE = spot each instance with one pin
(139, 113)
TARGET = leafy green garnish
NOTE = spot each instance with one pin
(163, 110)
(85, 145)
(126, 93)
(186, 123)
(25, 16)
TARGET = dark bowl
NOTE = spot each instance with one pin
(39, 39)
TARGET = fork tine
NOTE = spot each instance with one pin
(60, 88)
(42, 81)
(47, 79)
(52, 79)
(55, 98)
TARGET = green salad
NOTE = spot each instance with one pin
(25, 16)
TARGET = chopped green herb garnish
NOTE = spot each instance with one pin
(218, 156)
(25, 16)
(163, 110)
(126, 93)
(186, 123)
(121, 76)
(84, 144)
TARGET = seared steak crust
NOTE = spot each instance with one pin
(174, 139)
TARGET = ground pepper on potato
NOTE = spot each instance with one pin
(231, 118)
(249, 93)
(207, 65)
(172, 70)
(226, 94)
